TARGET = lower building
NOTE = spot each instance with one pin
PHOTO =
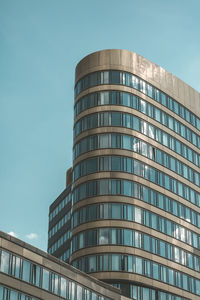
(27, 273)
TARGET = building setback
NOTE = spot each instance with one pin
(130, 215)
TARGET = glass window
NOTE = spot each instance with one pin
(138, 265)
(63, 287)
(13, 295)
(127, 188)
(45, 279)
(103, 236)
(185, 282)
(162, 249)
(106, 260)
(136, 123)
(116, 211)
(138, 215)
(92, 264)
(115, 262)
(126, 99)
(138, 240)
(149, 90)
(128, 237)
(16, 262)
(116, 166)
(147, 242)
(55, 283)
(116, 119)
(127, 142)
(26, 270)
(157, 114)
(155, 271)
(5, 257)
(35, 274)
(79, 291)
(72, 290)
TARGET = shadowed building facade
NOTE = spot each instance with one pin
(134, 213)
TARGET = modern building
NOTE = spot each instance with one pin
(131, 211)
(27, 273)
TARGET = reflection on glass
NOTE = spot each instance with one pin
(45, 279)
(4, 262)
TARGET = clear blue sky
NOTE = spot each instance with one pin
(41, 41)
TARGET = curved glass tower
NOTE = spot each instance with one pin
(136, 196)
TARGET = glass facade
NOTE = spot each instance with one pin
(59, 224)
(66, 236)
(138, 265)
(43, 278)
(134, 144)
(126, 120)
(10, 294)
(59, 207)
(132, 238)
(118, 211)
(139, 104)
(133, 81)
(128, 165)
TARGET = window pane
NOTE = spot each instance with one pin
(26, 270)
(63, 287)
(45, 279)
(5, 262)
(13, 295)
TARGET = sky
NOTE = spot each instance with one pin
(41, 41)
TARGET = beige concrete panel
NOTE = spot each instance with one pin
(195, 105)
(187, 95)
(169, 82)
(181, 92)
(49, 264)
(135, 252)
(141, 67)
(137, 227)
(32, 256)
(115, 58)
(7, 245)
(175, 93)
(163, 84)
(147, 281)
(156, 76)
